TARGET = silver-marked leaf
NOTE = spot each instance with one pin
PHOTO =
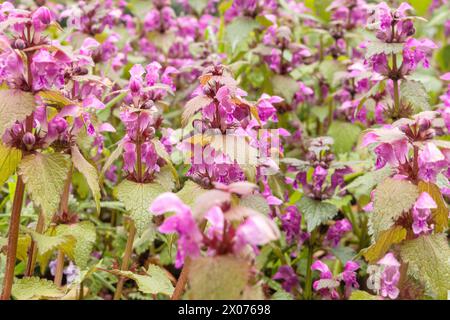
(15, 105)
(47, 243)
(44, 176)
(256, 202)
(377, 47)
(392, 198)
(415, 94)
(154, 282)
(85, 235)
(33, 288)
(218, 278)
(137, 198)
(193, 106)
(428, 259)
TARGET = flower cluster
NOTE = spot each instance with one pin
(221, 236)
(327, 285)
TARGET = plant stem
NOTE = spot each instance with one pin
(81, 293)
(308, 281)
(13, 236)
(64, 208)
(125, 260)
(31, 262)
(396, 88)
(59, 268)
(182, 280)
(132, 231)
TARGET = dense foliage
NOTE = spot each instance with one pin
(235, 149)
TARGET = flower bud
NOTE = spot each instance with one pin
(58, 125)
(19, 44)
(43, 14)
(135, 86)
(28, 139)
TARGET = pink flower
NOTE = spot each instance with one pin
(421, 213)
(392, 146)
(336, 231)
(325, 274)
(182, 223)
(47, 70)
(415, 52)
(390, 276)
(41, 18)
(256, 230)
(288, 276)
(266, 110)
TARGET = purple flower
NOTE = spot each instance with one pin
(291, 223)
(390, 275)
(47, 70)
(41, 18)
(421, 213)
(182, 223)
(349, 276)
(288, 276)
(336, 231)
(256, 230)
(326, 291)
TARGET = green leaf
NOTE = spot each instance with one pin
(384, 242)
(85, 235)
(198, 5)
(320, 8)
(154, 282)
(137, 198)
(190, 188)
(364, 184)
(112, 157)
(55, 99)
(345, 136)
(344, 254)
(316, 212)
(44, 176)
(415, 94)
(428, 261)
(392, 198)
(421, 6)
(443, 57)
(362, 295)
(48, 243)
(15, 105)
(9, 160)
(256, 202)
(163, 41)
(217, 278)
(330, 69)
(239, 30)
(35, 288)
(285, 86)
(165, 178)
(440, 214)
(89, 172)
(193, 106)
(377, 47)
